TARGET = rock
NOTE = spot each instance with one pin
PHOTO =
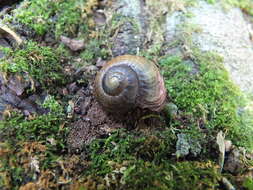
(17, 84)
(73, 44)
(27, 106)
(10, 98)
(228, 34)
(90, 71)
(235, 161)
(99, 18)
(13, 95)
(225, 32)
(129, 36)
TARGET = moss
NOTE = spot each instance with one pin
(205, 96)
(146, 175)
(37, 63)
(38, 127)
(123, 145)
(248, 183)
(245, 5)
(41, 138)
(138, 160)
(59, 17)
(182, 175)
(207, 102)
(94, 49)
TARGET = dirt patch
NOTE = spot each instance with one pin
(92, 122)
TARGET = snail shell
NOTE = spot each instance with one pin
(130, 81)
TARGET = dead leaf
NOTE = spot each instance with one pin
(8, 33)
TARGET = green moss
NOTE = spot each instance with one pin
(122, 146)
(59, 17)
(94, 49)
(139, 160)
(118, 20)
(139, 174)
(248, 183)
(182, 175)
(41, 64)
(205, 96)
(245, 5)
(40, 137)
(39, 127)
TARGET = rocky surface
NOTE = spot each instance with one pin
(129, 37)
(224, 31)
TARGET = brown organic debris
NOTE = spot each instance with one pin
(6, 32)
(94, 123)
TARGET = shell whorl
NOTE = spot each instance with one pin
(130, 81)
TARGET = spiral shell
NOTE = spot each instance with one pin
(130, 81)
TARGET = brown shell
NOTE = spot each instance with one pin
(141, 85)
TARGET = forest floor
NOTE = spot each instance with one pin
(55, 135)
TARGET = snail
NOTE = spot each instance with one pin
(127, 82)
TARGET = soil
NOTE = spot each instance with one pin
(91, 121)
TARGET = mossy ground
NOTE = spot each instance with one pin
(206, 97)
(58, 17)
(33, 151)
(40, 64)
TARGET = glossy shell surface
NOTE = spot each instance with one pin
(130, 81)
